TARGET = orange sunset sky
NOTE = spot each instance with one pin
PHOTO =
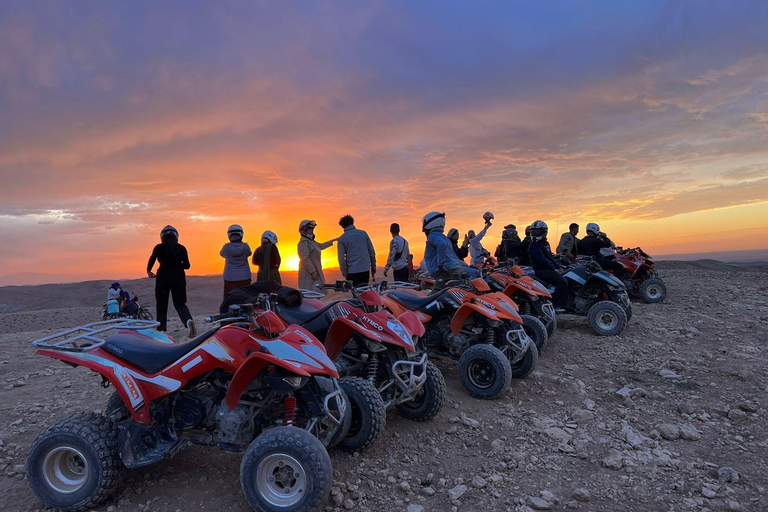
(650, 118)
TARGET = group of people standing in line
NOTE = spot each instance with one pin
(444, 258)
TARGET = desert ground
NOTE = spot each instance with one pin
(668, 416)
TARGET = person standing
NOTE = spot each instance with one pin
(267, 258)
(399, 255)
(357, 259)
(476, 250)
(171, 279)
(568, 245)
(310, 263)
(546, 266)
(237, 272)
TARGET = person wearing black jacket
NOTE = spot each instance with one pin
(546, 266)
(171, 279)
(594, 244)
(511, 247)
(463, 251)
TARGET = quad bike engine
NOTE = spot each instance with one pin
(235, 427)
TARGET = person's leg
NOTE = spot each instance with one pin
(400, 274)
(359, 278)
(161, 302)
(560, 295)
(179, 291)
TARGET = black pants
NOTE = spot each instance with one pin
(359, 278)
(560, 297)
(613, 265)
(168, 283)
(400, 274)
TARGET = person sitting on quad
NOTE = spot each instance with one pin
(546, 266)
(525, 258)
(460, 252)
(476, 249)
(594, 244)
(568, 244)
(511, 247)
(439, 257)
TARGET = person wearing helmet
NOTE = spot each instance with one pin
(267, 258)
(115, 292)
(460, 252)
(310, 264)
(357, 258)
(597, 245)
(476, 250)
(171, 279)
(511, 247)
(546, 266)
(237, 272)
(439, 257)
(399, 253)
(568, 243)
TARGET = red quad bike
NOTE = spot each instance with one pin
(640, 276)
(484, 332)
(377, 356)
(251, 386)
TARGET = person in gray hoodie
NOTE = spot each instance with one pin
(237, 271)
(357, 259)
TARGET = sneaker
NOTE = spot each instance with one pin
(559, 310)
(192, 328)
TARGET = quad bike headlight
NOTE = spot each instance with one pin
(509, 308)
(294, 381)
(398, 329)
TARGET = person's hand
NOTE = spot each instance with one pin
(385, 272)
(488, 223)
(150, 274)
(373, 270)
(314, 276)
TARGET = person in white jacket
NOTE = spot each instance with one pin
(399, 253)
(477, 252)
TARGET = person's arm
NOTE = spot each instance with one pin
(223, 252)
(151, 262)
(184, 258)
(254, 260)
(537, 255)
(304, 257)
(342, 251)
(276, 256)
(327, 244)
(391, 257)
(372, 254)
(561, 246)
(481, 234)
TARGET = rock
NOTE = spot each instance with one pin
(537, 503)
(624, 392)
(727, 475)
(689, 433)
(749, 406)
(497, 444)
(582, 415)
(581, 494)
(566, 448)
(613, 460)
(413, 507)
(684, 408)
(470, 422)
(429, 491)
(736, 415)
(20, 469)
(405, 486)
(548, 496)
(496, 478)
(669, 431)
(457, 492)
(668, 374)
(337, 496)
(111, 508)
(589, 404)
(733, 506)
(558, 433)
(349, 504)
(708, 492)
(479, 482)
(571, 367)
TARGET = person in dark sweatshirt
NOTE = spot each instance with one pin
(546, 266)
(597, 245)
(171, 279)
(511, 247)
(267, 258)
(463, 251)
(237, 272)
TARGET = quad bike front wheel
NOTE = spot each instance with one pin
(653, 290)
(367, 411)
(535, 329)
(484, 371)
(428, 400)
(606, 318)
(549, 322)
(522, 368)
(75, 464)
(286, 469)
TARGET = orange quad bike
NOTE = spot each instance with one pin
(484, 332)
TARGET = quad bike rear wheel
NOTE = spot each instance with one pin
(535, 329)
(653, 290)
(484, 371)
(428, 400)
(286, 469)
(75, 464)
(606, 318)
(367, 411)
(116, 409)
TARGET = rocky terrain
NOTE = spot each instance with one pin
(669, 416)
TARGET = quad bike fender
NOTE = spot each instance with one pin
(128, 387)
(340, 333)
(468, 309)
(393, 306)
(412, 322)
(251, 367)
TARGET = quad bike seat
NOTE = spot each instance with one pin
(148, 354)
(414, 301)
(302, 314)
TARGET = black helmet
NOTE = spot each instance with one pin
(169, 231)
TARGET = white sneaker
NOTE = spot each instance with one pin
(192, 328)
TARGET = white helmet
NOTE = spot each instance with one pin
(169, 231)
(593, 228)
(433, 220)
(487, 216)
(269, 236)
(235, 233)
(307, 225)
(539, 230)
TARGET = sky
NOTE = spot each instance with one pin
(648, 117)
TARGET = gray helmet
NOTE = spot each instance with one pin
(235, 233)
(169, 231)
(269, 236)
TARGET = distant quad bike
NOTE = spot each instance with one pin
(249, 385)
(640, 275)
(599, 295)
(132, 309)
